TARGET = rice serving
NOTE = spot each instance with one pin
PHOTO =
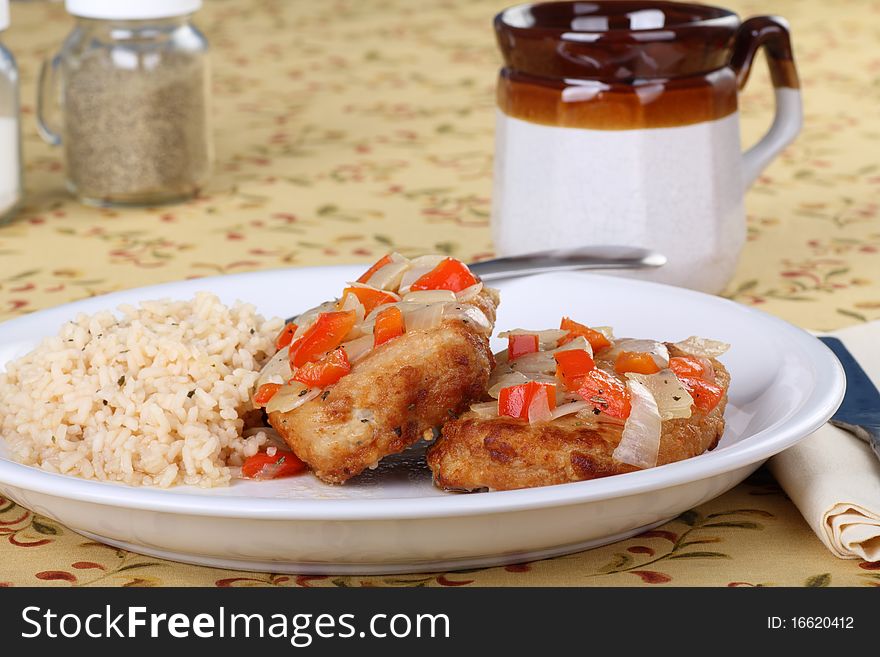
(153, 397)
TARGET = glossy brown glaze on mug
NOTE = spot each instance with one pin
(770, 33)
(587, 65)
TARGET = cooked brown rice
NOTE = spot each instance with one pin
(151, 397)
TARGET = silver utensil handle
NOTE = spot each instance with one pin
(587, 257)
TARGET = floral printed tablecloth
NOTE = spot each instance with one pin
(348, 127)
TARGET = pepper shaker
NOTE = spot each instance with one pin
(130, 102)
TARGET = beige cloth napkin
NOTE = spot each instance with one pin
(833, 477)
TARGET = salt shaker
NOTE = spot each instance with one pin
(127, 97)
(10, 135)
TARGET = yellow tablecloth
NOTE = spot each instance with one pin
(345, 128)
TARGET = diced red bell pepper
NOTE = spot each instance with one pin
(698, 380)
(384, 260)
(635, 361)
(262, 466)
(606, 393)
(706, 395)
(327, 333)
(514, 401)
(597, 341)
(389, 325)
(368, 297)
(325, 371)
(687, 367)
(572, 366)
(285, 337)
(265, 392)
(520, 345)
(450, 274)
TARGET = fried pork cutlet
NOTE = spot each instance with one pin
(427, 358)
(485, 450)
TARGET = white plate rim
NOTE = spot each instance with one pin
(814, 412)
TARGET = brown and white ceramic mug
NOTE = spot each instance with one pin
(618, 124)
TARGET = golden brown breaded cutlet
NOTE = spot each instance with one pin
(476, 453)
(393, 397)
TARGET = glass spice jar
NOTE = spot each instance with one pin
(10, 134)
(131, 102)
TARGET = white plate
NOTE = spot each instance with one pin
(785, 384)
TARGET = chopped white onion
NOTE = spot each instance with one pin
(361, 330)
(351, 302)
(580, 342)
(356, 349)
(657, 350)
(471, 315)
(607, 331)
(538, 362)
(563, 396)
(291, 396)
(430, 296)
(544, 378)
(423, 318)
(276, 370)
(673, 401)
(547, 339)
(640, 442)
(505, 381)
(389, 276)
(702, 347)
(469, 293)
(571, 407)
(486, 409)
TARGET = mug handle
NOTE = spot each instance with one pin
(47, 88)
(771, 33)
